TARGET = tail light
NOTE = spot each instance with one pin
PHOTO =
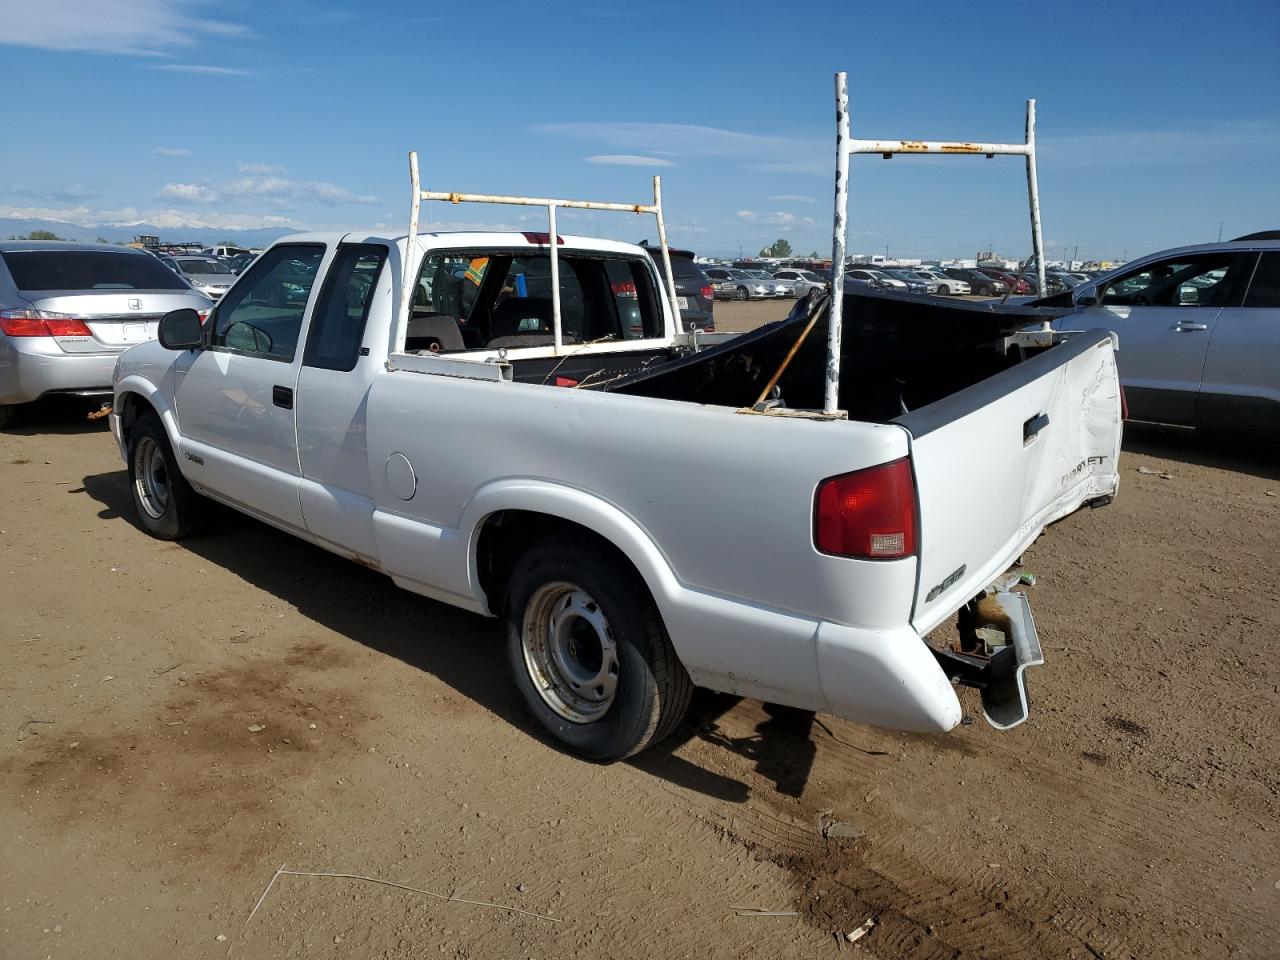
(203, 317)
(706, 293)
(869, 514)
(624, 288)
(41, 323)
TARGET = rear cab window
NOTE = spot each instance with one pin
(88, 270)
(488, 299)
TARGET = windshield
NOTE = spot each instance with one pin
(203, 266)
(88, 270)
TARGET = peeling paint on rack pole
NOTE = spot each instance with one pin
(406, 275)
(1033, 193)
(666, 255)
(839, 229)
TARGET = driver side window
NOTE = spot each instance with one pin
(1210, 280)
(262, 314)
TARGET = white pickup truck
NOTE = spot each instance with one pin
(465, 439)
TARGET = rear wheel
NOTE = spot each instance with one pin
(166, 505)
(589, 653)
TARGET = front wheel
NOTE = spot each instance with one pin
(166, 505)
(589, 652)
(743, 294)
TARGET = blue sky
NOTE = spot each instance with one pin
(1156, 121)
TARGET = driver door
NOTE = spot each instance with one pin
(1164, 314)
(235, 397)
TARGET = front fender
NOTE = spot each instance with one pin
(154, 396)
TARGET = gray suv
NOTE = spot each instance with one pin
(1199, 332)
(67, 310)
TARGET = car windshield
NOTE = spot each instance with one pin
(88, 270)
(203, 266)
(758, 275)
(810, 276)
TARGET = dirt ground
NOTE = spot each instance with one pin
(179, 720)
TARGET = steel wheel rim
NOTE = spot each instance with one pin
(570, 652)
(151, 478)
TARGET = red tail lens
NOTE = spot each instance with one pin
(869, 514)
(203, 317)
(39, 323)
(625, 288)
(22, 326)
(706, 293)
(68, 327)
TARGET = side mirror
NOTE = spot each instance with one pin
(181, 330)
(1087, 298)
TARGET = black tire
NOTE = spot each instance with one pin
(651, 688)
(167, 507)
(8, 415)
(743, 294)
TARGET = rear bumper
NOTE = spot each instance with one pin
(883, 676)
(31, 367)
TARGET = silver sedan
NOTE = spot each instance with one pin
(67, 310)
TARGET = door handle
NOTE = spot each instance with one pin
(1034, 426)
(1188, 327)
(282, 397)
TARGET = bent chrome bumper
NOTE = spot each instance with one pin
(998, 674)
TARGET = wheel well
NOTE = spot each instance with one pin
(132, 406)
(507, 534)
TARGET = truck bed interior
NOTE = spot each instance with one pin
(899, 353)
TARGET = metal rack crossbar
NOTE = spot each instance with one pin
(847, 145)
(409, 280)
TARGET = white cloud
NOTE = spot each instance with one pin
(188, 193)
(628, 160)
(259, 168)
(202, 69)
(1208, 142)
(165, 218)
(780, 219)
(137, 27)
(280, 191)
(758, 151)
(791, 198)
(68, 194)
(171, 151)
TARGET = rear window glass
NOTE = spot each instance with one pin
(89, 270)
(684, 268)
(203, 266)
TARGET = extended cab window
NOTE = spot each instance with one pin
(337, 324)
(489, 299)
(262, 314)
